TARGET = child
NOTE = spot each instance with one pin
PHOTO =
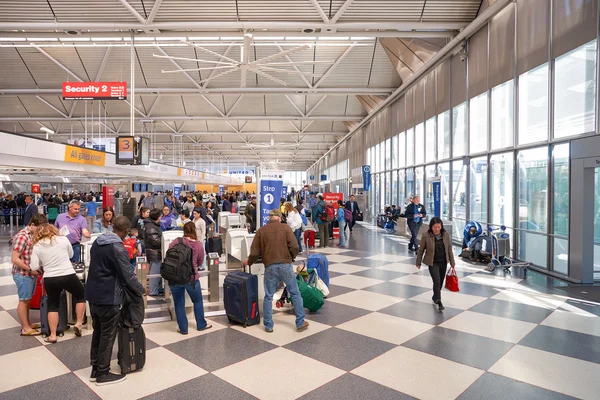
(133, 245)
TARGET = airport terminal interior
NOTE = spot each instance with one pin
(462, 113)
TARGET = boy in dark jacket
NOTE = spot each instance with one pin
(109, 275)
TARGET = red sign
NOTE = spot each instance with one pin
(94, 90)
(108, 196)
(333, 197)
(35, 188)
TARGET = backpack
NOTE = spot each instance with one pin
(131, 246)
(177, 268)
(330, 213)
(348, 215)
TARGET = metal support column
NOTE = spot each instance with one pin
(132, 86)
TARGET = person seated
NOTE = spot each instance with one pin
(395, 212)
(387, 209)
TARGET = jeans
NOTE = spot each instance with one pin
(298, 233)
(323, 235)
(414, 228)
(105, 321)
(195, 292)
(438, 274)
(343, 233)
(76, 252)
(274, 274)
(155, 283)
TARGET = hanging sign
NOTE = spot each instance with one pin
(94, 90)
(35, 188)
(270, 193)
(437, 203)
(284, 190)
(366, 170)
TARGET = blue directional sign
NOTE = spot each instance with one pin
(270, 194)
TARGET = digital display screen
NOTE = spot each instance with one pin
(125, 150)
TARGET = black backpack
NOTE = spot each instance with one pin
(177, 268)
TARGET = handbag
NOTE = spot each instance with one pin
(452, 280)
(319, 283)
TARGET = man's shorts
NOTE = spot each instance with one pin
(25, 286)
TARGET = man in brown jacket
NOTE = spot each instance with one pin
(276, 244)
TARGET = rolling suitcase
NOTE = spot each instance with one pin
(63, 324)
(309, 239)
(321, 264)
(240, 297)
(132, 349)
(34, 303)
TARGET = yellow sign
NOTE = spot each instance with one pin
(178, 171)
(80, 155)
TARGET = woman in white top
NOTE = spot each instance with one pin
(200, 224)
(294, 221)
(54, 252)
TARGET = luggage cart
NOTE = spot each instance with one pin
(501, 252)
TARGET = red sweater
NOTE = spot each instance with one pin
(197, 253)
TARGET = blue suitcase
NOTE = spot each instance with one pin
(320, 263)
(240, 296)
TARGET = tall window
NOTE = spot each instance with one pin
(479, 168)
(443, 147)
(459, 130)
(533, 204)
(533, 105)
(394, 151)
(503, 100)
(388, 187)
(388, 155)
(430, 151)
(459, 196)
(394, 187)
(560, 159)
(574, 84)
(410, 147)
(419, 181)
(401, 150)
(401, 190)
(410, 182)
(443, 171)
(381, 156)
(420, 144)
(502, 189)
(478, 125)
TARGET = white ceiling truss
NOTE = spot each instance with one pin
(236, 81)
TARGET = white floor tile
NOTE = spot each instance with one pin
(419, 374)
(7, 280)
(284, 329)
(588, 324)
(529, 298)
(505, 329)
(386, 327)
(562, 374)
(354, 282)
(415, 280)
(9, 302)
(289, 375)
(68, 335)
(492, 280)
(6, 265)
(329, 250)
(163, 369)
(386, 257)
(452, 299)
(346, 268)
(340, 258)
(27, 367)
(7, 321)
(164, 333)
(366, 300)
(400, 267)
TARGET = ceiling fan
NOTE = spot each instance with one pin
(263, 67)
(272, 143)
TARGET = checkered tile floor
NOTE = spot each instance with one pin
(377, 337)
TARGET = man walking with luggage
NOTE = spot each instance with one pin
(276, 244)
(352, 205)
(415, 213)
(109, 275)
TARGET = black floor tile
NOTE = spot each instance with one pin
(8, 290)
(583, 305)
(208, 386)
(350, 386)
(380, 274)
(478, 290)
(495, 387)
(419, 311)
(327, 347)
(334, 314)
(12, 341)
(512, 310)
(564, 342)
(461, 347)
(363, 262)
(335, 290)
(219, 349)
(66, 386)
(397, 290)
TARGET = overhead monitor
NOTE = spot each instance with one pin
(133, 150)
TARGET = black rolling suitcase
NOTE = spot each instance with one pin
(63, 320)
(132, 349)
(240, 297)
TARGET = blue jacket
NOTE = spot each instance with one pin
(109, 272)
(341, 215)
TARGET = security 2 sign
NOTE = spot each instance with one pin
(94, 90)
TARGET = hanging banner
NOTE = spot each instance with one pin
(437, 198)
(94, 90)
(284, 190)
(176, 191)
(270, 193)
(79, 155)
(366, 170)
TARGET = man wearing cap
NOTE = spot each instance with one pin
(276, 244)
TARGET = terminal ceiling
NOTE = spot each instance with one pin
(279, 82)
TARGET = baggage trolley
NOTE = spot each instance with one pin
(501, 252)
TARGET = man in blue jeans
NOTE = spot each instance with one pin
(276, 244)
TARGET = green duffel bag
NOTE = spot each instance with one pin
(311, 296)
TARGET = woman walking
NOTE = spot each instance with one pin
(435, 251)
(54, 253)
(193, 286)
